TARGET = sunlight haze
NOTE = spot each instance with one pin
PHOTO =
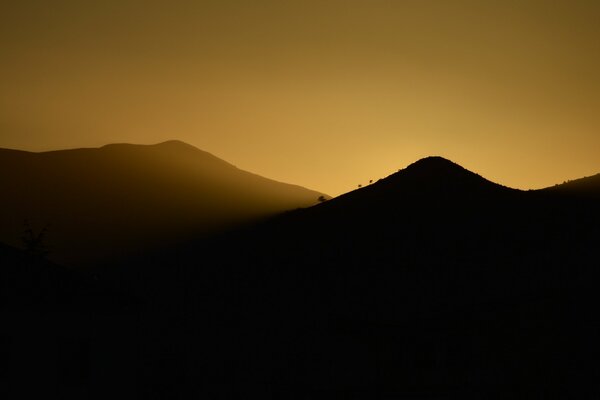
(323, 94)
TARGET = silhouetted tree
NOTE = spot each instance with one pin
(359, 185)
(34, 242)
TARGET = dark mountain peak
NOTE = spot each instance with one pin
(436, 171)
(439, 160)
(436, 175)
(434, 181)
(435, 166)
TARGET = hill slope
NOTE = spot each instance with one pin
(123, 197)
(431, 283)
(584, 187)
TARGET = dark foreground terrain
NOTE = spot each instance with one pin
(433, 283)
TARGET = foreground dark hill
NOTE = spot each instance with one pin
(432, 283)
(54, 322)
(122, 197)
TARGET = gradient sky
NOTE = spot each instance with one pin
(325, 94)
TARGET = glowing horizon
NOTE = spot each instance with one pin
(326, 95)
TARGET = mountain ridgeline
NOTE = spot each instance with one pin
(431, 283)
(100, 202)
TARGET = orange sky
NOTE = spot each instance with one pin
(325, 94)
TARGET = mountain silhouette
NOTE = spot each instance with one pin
(431, 283)
(432, 192)
(438, 173)
(426, 180)
(583, 187)
(100, 202)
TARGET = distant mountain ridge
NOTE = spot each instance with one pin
(98, 202)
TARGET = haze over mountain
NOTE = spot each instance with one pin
(98, 202)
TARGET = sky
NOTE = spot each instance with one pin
(326, 94)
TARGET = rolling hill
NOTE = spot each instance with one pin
(99, 203)
(432, 283)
